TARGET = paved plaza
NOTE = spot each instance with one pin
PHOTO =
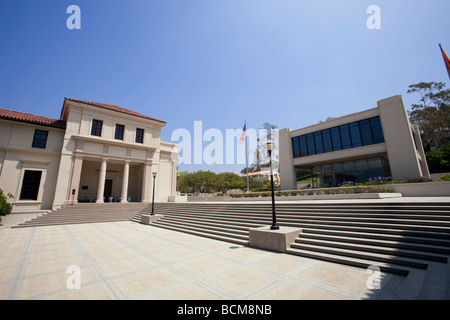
(127, 260)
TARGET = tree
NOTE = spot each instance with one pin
(229, 180)
(432, 114)
(439, 160)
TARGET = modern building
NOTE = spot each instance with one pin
(379, 142)
(95, 152)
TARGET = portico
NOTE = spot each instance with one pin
(104, 166)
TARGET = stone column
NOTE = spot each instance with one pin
(76, 175)
(147, 183)
(101, 182)
(126, 171)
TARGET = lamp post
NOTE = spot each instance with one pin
(274, 226)
(153, 197)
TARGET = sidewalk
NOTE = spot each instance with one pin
(127, 260)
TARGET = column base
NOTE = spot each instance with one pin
(149, 219)
(276, 240)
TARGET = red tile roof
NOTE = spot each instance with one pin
(115, 108)
(31, 118)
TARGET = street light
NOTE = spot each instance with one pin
(153, 197)
(274, 226)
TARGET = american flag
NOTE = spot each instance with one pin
(244, 132)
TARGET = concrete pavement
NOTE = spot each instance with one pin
(127, 260)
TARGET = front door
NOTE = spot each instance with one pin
(108, 189)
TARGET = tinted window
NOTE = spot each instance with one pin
(296, 147)
(303, 146)
(377, 131)
(318, 142)
(40, 139)
(139, 135)
(355, 134)
(366, 132)
(310, 141)
(327, 145)
(119, 132)
(96, 128)
(345, 136)
(336, 139)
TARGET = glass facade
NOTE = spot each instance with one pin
(335, 174)
(351, 135)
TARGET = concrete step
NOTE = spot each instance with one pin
(201, 233)
(365, 255)
(86, 213)
(415, 253)
(376, 240)
(197, 226)
(335, 219)
(419, 239)
(356, 262)
(207, 226)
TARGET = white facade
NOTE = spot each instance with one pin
(77, 164)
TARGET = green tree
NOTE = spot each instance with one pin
(203, 181)
(439, 160)
(230, 180)
(432, 113)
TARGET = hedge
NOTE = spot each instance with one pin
(315, 192)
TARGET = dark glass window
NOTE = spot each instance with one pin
(296, 147)
(355, 134)
(377, 131)
(345, 136)
(30, 185)
(352, 135)
(120, 129)
(336, 138)
(366, 132)
(310, 142)
(327, 145)
(96, 128)
(303, 146)
(318, 142)
(40, 139)
(139, 135)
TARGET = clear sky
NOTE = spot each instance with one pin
(291, 63)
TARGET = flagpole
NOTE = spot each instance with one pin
(246, 156)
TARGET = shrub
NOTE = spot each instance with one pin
(5, 207)
(444, 178)
(321, 191)
(417, 179)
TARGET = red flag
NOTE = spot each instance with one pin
(446, 60)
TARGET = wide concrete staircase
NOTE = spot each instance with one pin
(394, 236)
(86, 213)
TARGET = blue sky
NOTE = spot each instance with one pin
(288, 62)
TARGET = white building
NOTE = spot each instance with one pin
(95, 152)
(372, 143)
